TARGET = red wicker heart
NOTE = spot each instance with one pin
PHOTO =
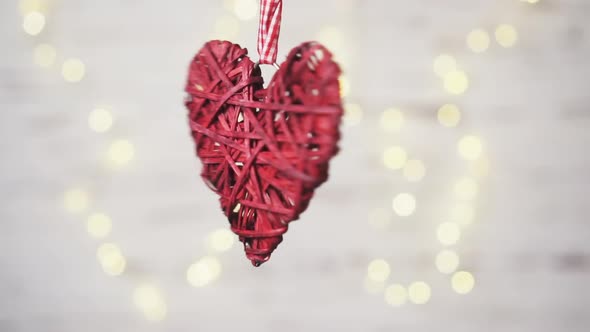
(264, 151)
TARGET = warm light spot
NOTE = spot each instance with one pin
(478, 40)
(110, 257)
(414, 170)
(462, 282)
(506, 35)
(331, 37)
(394, 157)
(480, 167)
(462, 214)
(378, 270)
(373, 286)
(245, 10)
(419, 292)
(28, 6)
(444, 64)
(226, 28)
(379, 218)
(204, 271)
(456, 82)
(466, 188)
(221, 240)
(344, 86)
(353, 114)
(100, 120)
(396, 295)
(73, 70)
(33, 23)
(404, 204)
(121, 152)
(469, 147)
(448, 233)
(150, 301)
(449, 115)
(44, 55)
(99, 225)
(530, 1)
(391, 119)
(76, 200)
(447, 261)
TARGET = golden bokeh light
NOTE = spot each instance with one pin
(396, 295)
(392, 119)
(447, 261)
(226, 28)
(100, 120)
(353, 114)
(449, 115)
(456, 82)
(245, 10)
(419, 292)
(414, 170)
(530, 1)
(73, 70)
(462, 282)
(378, 270)
(379, 218)
(28, 6)
(448, 233)
(99, 225)
(404, 204)
(478, 40)
(344, 84)
(466, 188)
(221, 240)
(44, 55)
(33, 23)
(462, 214)
(111, 259)
(506, 35)
(149, 300)
(444, 64)
(469, 147)
(394, 157)
(373, 286)
(120, 152)
(203, 271)
(76, 200)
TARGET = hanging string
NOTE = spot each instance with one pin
(269, 28)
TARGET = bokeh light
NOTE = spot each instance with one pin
(419, 292)
(506, 35)
(245, 10)
(394, 157)
(76, 200)
(391, 119)
(44, 55)
(396, 295)
(379, 218)
(448, 233)
(469, 147)
(462, 282)
(111, 259)
(466, 188)
(478, 40)
(404, 204)
(449, 115)
(148, 298)
(353, 114)
(462, 214)
(414, 170)
(204, 271)
(378, 270)
(447, 261)
(28, 6)
(33, 23)
(221, 240)
(344, 84)
(444, 64)
(99, 225)
(456, 82)
(100, 120)
(73, 70)
(120, 152)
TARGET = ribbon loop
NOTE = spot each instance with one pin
(269, 28)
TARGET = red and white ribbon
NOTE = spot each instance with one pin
(269, 28)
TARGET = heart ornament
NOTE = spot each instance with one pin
(264, 151)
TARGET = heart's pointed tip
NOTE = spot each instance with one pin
(258, 259)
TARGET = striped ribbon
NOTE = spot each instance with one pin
(269, 28)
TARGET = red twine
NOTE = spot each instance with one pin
(264, 151)
(269, 28)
